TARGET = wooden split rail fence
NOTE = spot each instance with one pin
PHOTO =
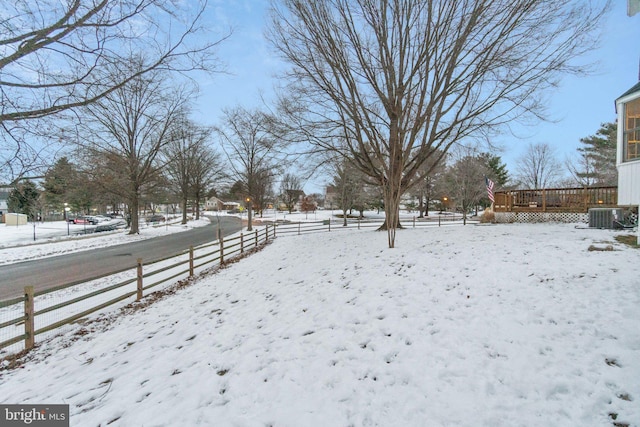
(202, 257)
(146, 277)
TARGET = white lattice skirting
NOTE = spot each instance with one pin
(569, 217)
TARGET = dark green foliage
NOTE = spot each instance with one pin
(59, 182)
(497, 171)
(600, 151)
(24, 199)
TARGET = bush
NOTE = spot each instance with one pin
(488, 217)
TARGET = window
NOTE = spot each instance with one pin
(632, 130)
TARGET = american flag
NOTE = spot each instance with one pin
(489, 189)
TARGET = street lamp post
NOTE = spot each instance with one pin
(249, 228)
(66, 216)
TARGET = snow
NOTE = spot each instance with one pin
(58, 237)
(499, 325)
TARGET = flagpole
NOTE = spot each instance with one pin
(490, 184)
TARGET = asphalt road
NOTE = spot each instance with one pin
(50, 272)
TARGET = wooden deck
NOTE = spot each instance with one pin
(555, 199)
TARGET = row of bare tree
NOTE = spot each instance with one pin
(391, 85)
(458, 184)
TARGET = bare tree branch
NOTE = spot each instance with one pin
(58, 56)
(54, 56)
(129, 129)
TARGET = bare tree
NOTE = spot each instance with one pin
(56, 56)
(129, 127)
(464, 181)
(190, 163)
(402, 80)
(538, 167)
(206, 169)
(582, 169)
(425, 188)
(252, 149)
(290, 190)
(349, 185)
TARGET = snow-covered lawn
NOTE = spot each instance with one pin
(504, 325)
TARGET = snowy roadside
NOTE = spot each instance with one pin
(58, 238)
(17, 244)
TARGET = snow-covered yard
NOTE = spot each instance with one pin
(504, 325)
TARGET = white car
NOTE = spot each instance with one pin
(102, 218)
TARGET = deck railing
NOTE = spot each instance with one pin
(578, 199)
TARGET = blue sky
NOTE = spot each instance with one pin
(578, 106)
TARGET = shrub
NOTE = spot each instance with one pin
(488, 217)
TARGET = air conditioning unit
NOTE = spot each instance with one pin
(609, 218)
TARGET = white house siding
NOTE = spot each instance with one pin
(629, 184)
(628, 172)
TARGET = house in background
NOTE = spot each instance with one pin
(4, 196)
(628, 154)
(215, 204)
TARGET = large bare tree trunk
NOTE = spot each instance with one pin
(134, 208)
(392, 195)
(184, 210)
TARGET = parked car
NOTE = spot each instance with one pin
(102, 218)
(85, 220)
(155, 218)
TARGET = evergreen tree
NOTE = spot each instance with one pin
(600, 152)
(497, 169)
(24, 199)
(59, 182)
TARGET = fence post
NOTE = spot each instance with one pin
(299, 222)
(139, 294)
(241, 243)
(222, 250)
(256, 231)
(190, 261)
(329, 224)
(414, 221)
(358, 223)
(29, 324)
(439, 216)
